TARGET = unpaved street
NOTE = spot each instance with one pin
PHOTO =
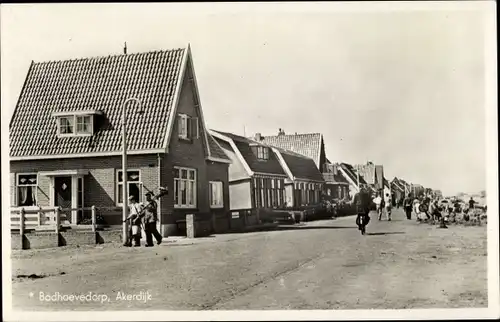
(318, 265)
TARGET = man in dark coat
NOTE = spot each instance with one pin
(362, 202)
(150, 219)
(408, 205)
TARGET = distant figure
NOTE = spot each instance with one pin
(361, 202)
(408, 205)
(388, 206)
(471, 203)
(378, 204)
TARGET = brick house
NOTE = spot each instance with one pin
(337, 186)
(256, 177)
(311, 145)
(305, 182)
(66, 138)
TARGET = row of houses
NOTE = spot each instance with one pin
(66, 147)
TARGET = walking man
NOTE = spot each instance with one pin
(408, 205)
(150, 219)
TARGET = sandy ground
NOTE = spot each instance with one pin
(318, 265)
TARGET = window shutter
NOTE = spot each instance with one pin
(179, 124)
(188, 127)
(196, 127)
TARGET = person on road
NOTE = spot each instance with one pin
(135, 223)
(387, 206)
(471, 203)
(361, 202)
(408, 205)
(150, 220)
(378, 204)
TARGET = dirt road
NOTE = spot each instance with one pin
(318, 265)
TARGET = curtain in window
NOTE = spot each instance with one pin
(23, 195)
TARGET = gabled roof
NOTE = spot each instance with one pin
(334, 178)
(102, 84)
(352, 174)
(397, 184)
(297, 166)
(243, 148)
(308, 144)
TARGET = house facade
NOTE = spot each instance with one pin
(311, 145)
(304, 185)
(374, 176)
(66, 139)
(256, 178)
(398, 189)
(336, 185)
(354, 178)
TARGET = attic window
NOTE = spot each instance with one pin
(262, 153)
(79, 123)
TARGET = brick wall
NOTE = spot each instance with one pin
(99, 185)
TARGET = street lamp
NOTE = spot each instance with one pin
(124, 167)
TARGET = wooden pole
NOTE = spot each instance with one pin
(94, 218)
(57, 211)
(22, 213)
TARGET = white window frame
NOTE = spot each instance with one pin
(75, 125)
(262, 152)
(26, 185)
(185, 130)
(220, 189)
(177, 203)
(118, 183)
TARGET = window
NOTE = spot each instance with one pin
(75, 125)
(339, 192)
(268, 192)
(26, 189)
(188, 127)
(84, 124)
(66, 125)
(133, 183)
(262, 153)
(329, 192)
(216, 194)
(184, 187)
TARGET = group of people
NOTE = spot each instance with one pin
(425, 208)
(143, 217)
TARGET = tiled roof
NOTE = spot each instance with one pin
(101, 83)
(215, 150)
(243, 144)
(351, 172)
(306, 144)
(301, 166)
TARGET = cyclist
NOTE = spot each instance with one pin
(362, 202)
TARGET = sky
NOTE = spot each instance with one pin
(402, 88)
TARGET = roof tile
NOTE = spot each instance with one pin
(100, 83)
(308, 144)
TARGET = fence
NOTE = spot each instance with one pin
(31, 219)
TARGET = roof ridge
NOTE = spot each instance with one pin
(108, 56)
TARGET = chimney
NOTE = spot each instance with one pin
(125, 49)
(258, 137)
(335, 169)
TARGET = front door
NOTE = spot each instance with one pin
(62, 194)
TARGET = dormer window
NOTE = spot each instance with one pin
(262, 153)
(78, 123)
